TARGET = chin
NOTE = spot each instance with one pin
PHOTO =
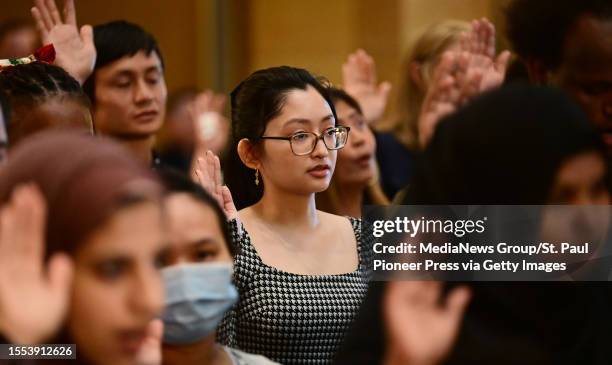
(144, 130)
(320, 186)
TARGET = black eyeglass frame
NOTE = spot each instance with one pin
(317, 138)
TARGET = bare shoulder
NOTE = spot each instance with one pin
(338, 223)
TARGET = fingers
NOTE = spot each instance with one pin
(33, 212)
(501, 63)
(456, 303)
(55, 15)
(60, 273)
(70, 12)
(368, 67)
(384, 89)
(352, 73)
(209, 101)
(28, 218)
(40, 25)
(22, 230)
(228, 203)
(86, 33)
(204, 175)
(44, 14)
(155, 329)
(217, 170)
(490, 38)
(359, 68)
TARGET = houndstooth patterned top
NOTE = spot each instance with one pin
(292, 318)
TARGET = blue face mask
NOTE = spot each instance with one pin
(197, 297)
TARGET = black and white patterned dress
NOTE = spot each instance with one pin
(292, 318)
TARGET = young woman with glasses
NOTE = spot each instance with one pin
(301, 273)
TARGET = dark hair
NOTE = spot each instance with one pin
(505, 147)
(116, 40)
(6, 107)
(257, 100)
(538, 29)
(336, 95)
(176, 182)
(25, 86)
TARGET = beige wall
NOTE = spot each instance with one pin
(216, 43)
(172, 22)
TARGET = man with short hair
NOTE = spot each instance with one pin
(127, 87)
(121, 69)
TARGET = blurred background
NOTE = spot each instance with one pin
(216, 43)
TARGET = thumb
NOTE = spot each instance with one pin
(155, 330)
(87, 34)
(456, 303)
(501, 63)
(228, 203)
(384, 89)
(150, 351)
(61, 272)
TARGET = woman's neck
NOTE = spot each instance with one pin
(287, 209)
(206, 351)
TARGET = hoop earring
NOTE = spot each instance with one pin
(256, 177)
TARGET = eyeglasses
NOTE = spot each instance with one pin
(303, 143)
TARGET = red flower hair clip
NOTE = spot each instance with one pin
(44, 54)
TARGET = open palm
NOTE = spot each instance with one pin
(33, 296)
(75, 50)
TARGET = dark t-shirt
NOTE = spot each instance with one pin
(395, 161)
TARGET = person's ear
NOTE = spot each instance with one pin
(248, 154)
(537, 72)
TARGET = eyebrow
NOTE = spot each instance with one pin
(307, 121)
(353, 115)
(204, 241)
(130, 72)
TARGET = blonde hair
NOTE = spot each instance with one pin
(425, 52)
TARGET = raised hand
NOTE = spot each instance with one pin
(75, 50)
(211, 127)
(453, 83)
(421, 326)
(207, 173)
(33, 296)
(360, 81)
(479, 42)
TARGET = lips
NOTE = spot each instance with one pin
(147, 115)
(364, 160)
(320, 171)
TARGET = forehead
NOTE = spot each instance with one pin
(138, 63)
(132, 230)
(190, 220)
(344, 110)
(588, 46)
(187, 214)
(307, 104)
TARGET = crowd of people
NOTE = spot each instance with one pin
(152, 229)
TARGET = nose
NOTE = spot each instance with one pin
(142, 92)
(356, 138)
(147, 294)
(320, 150)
